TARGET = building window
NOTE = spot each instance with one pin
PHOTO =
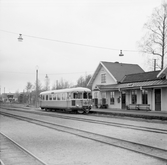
(134, 96)
(103, 95)
(103, 78)
(144, 96)
(95, 94)
(112, 97)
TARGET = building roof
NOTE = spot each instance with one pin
(116, 70)
(119, 70)
(135, 85)
(163, 72)
(146, 76)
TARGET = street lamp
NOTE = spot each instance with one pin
(20, 39)
(121, 54)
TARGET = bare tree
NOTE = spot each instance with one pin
(62, 84)
(29, 88)
(155, 40)
(83, 81)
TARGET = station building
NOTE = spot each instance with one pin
(127, 86)
(9, 97)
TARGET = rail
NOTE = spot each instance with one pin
(133, 146)
(10, 150)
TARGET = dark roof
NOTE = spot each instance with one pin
(135, 85)
(146, 76)
(119, 70)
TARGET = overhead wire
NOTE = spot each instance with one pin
(47, 73)
(68, 42)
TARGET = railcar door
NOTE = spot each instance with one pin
(68, 100)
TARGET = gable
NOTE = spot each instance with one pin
(96, 77)
(115, 71)
(98, 80)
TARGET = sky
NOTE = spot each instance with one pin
(66, 39)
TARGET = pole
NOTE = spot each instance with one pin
(36, 100)
(154, 64)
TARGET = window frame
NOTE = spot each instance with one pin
(112, 97)
(134, 96)
(144, 96)
(103, 77)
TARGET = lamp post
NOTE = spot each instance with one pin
(20, 39)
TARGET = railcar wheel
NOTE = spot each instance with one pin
(80, 111)
(86, 111)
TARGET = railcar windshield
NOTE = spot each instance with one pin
(89, 95)
(82, 95)
(77, 95)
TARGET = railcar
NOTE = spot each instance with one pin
(71, 99)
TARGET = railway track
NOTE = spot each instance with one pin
(12, 153)
(101, 122)
(155, 152)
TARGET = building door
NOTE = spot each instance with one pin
(96, 102)
(123, 100)
(157, 99)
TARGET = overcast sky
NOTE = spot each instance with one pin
(56, 32)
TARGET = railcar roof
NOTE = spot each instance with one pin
(78, 89)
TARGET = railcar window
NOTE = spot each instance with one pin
(68, 95)
(46, 97)
(63, 96)
(58, 96)
(43, 97)
(85, 95)
(54, 97)
(50, 97)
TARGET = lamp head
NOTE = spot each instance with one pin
(121, 53)
(20, 39)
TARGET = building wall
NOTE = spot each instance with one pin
(116, 103)
(97, 81)
(139, 97)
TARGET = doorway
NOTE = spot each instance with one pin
(123, 96)
(157, 99)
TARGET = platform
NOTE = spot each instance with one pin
(160, 115)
